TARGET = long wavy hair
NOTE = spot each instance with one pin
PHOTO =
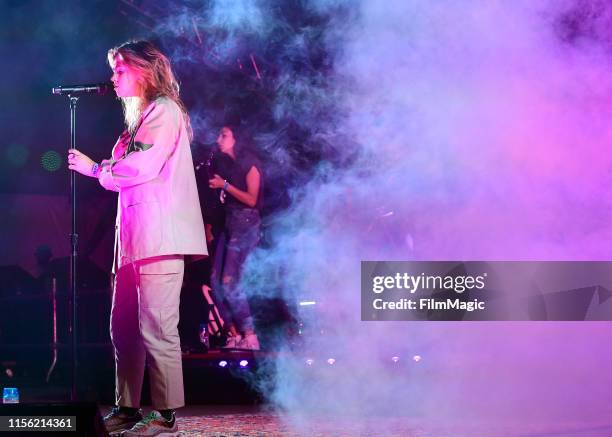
(158, 80)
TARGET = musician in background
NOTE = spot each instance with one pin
(240, 192)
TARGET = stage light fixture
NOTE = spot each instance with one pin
(244, 363)
(51, 161)
(395, 359)
(416, 358)
(331, 361)
(17, 155)
(222, 363)
(309, 361)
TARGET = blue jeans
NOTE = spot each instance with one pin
(232, 246)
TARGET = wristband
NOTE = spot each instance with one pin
(225, 185)
(94, 168)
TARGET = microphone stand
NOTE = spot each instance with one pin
(70, 91)
(72, 326)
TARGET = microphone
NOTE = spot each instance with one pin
(96, 88)
(207, 163)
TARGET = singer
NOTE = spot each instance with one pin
(159, 222)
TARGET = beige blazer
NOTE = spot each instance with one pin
(158, 210)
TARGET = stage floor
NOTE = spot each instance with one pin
(252, 421)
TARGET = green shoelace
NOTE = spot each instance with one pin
(148, 419)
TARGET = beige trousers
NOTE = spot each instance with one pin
(144, 329)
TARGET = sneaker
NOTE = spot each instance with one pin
(118, 420)
(153, 424)
(249, 342)
(232, 342)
